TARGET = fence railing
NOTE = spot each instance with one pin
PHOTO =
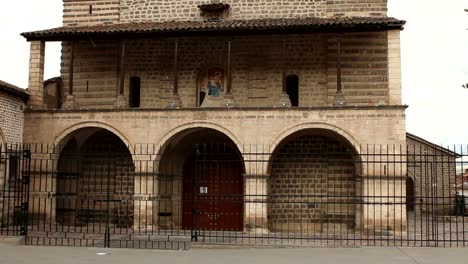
(303, 194)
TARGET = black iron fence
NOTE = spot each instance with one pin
(303, 193)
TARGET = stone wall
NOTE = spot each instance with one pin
(313, 186)
(11, 119)
(256, 69)
(433, 171)
(91, 12)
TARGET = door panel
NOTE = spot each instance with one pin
(213, 195)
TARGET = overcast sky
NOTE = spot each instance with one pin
(434, 59)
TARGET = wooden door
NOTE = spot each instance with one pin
(213, 195)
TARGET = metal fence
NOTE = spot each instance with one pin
(305, 193)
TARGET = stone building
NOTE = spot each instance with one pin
(12, 103)
(266, 80)
(432, 175)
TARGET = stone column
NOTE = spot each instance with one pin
(394, 67)
(256, 180)
(36, 75)
(384, 191)
(256, 206)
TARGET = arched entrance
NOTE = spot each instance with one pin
(207, 167)
(313, 184)
(95, 182)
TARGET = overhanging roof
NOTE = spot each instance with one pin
(224, 27)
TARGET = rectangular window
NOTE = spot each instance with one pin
(134, 95)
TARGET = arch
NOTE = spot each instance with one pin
(170, 135)
(199, 157)
(315, 125)
(65, 135)
(321, 163)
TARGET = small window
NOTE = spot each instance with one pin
(292, 89)
(134, 95)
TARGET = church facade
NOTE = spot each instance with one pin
(290, 96)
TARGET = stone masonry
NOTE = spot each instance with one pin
(370, 81)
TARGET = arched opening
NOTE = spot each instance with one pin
(410, 198)
(314, 184)
(95, 180)
(292, 89)
(200, 173)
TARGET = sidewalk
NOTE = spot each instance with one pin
(14, 254)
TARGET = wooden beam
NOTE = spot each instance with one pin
(122, 68)
(70, 74)
(176, 67)
(284, 64)
(338, 64)
(229, 62)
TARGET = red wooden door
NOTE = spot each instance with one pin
(213, 195)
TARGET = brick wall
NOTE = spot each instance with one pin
(434, 174)
(313, 185)
(11, 118)
(256, 69)
(364, 59)
(90, 12)
(356, 7)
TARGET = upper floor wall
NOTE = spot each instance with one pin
(92, 12)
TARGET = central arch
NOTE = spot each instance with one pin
(200, 173)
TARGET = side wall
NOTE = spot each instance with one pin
(11, 119)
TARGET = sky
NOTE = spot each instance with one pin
(434, 60)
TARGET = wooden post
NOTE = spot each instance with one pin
(284, 63)
(229, 79)
(122, 68)
(338, 64)
(70, 75)
(176, 67)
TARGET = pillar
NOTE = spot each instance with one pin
(339, 96)
(175, 100)
(284, 97)
(121, 102)
(36, 75)
(229, 98)
(70, 99)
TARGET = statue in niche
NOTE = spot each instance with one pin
(211, 87)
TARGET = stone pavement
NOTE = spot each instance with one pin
(15, 254)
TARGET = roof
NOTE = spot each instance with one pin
(432, 145)
(13, 90)
(228, 27)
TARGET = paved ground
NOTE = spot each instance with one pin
(14, 254)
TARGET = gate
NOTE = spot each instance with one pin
(213, 196)
(103, 196)
(14, 189)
